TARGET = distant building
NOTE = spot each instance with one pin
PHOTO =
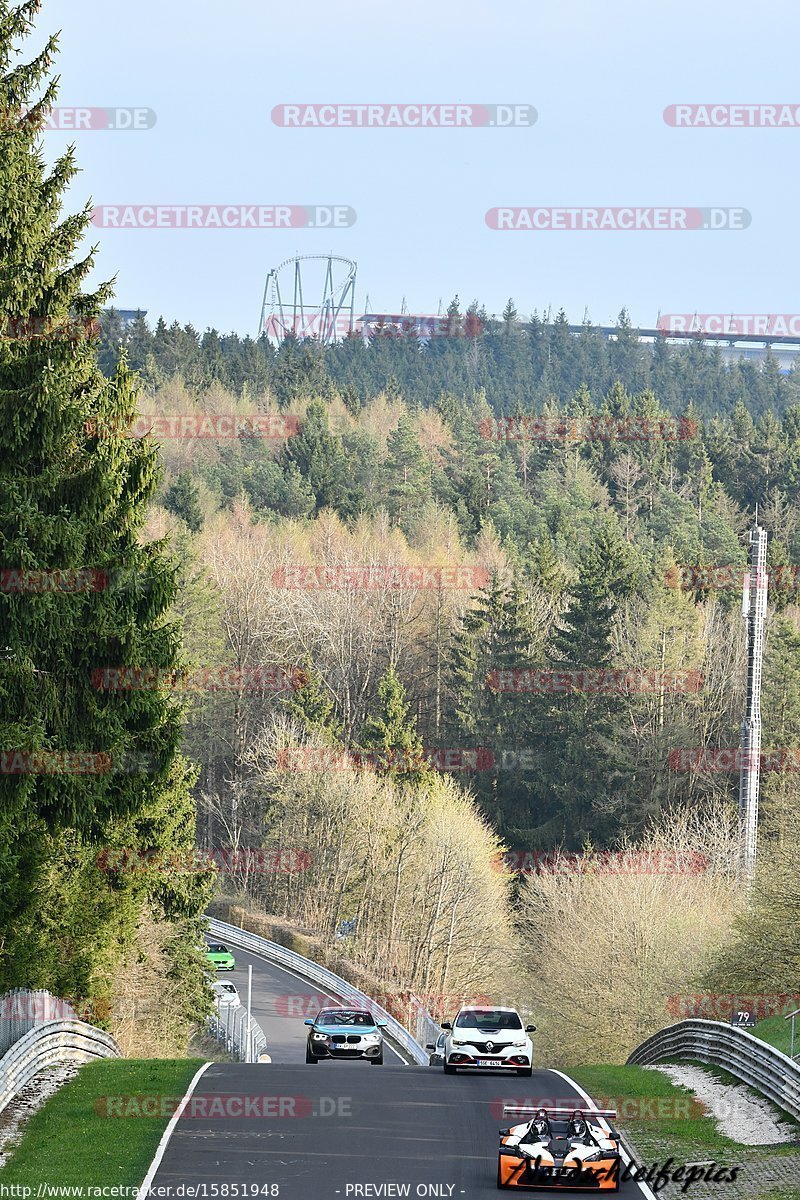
(127, 316)
(733, 346)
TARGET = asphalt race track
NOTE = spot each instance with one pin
(390, 1124)
(281, 1002)
(324, 1132)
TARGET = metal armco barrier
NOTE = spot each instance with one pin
(22, 1009)
(316, 974)
(428, 1028)
(757, 1064)
(51, 1044)
(229, 1027)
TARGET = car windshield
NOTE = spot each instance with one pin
(489, 1019)
(335, 1016)
(226, 987)
(215, 948)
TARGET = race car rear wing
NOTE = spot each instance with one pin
(530, 1110)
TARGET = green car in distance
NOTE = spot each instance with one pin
(220, 957)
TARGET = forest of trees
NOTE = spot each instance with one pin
(519, 360)
(572, 552)
(589, 552)
(581, 542)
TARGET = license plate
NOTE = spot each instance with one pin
(489, 1062)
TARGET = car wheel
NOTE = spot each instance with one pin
(309, 1056)
(448, 1070)
(526, 1072)
(377, 1062)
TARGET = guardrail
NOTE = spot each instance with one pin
(749, 1059)
(229, 1026)
(321, 976)
(50, 1044)
(428, 1028)
(23, 1009)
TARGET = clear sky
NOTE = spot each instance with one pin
(598, 75)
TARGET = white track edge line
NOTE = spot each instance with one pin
(167, 1134)
(624, 1152)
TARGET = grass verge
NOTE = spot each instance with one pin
(662, 1121)
(70, 1141)
(656, 1112)
(777, 1031)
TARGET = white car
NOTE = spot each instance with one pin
(225, 993)
(486, 1039)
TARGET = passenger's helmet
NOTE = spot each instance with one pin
(577, 1126)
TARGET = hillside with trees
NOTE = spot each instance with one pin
(297, 644)
(588, 553)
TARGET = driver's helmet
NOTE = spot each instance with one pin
(577, 1126)
(541, 1123)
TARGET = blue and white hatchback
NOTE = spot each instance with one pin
(345, 1033)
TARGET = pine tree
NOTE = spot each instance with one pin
(491, 642)
(183, 499)
(312, 706)
(581, 784)
(407, 474)
(545, 567)
(391, 731)
(318, 456)
(510, 317)
(605, 577)
(73, 495)
(781, 708)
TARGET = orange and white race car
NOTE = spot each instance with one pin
(559, 1148)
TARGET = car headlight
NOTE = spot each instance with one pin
(455, 1043)
(516, 1045)
(321, 1037)
(372, 1037)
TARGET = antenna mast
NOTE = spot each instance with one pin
(754, 611)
